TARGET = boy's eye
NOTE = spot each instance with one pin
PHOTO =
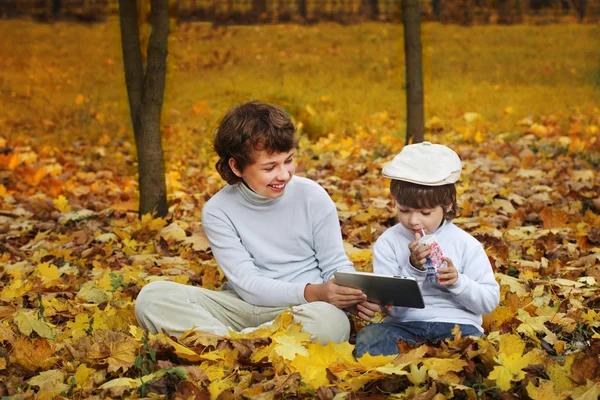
(290, 160)
(426, 212)
(269, 169)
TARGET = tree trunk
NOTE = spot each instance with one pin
(370, 8)
(259, 9)
(145, 91)
(302, 9)
(415, 126)
(504, 12)
(436, 6)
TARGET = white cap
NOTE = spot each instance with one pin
(425, 164)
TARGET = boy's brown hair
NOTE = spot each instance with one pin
(250, 127)
(413, 195)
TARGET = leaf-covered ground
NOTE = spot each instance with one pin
(74, 255)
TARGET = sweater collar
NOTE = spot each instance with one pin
(254, 198)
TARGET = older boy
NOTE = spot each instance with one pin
(275, 236)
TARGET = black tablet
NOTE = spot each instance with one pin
(401, 291)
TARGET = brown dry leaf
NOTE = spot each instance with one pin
(33, 354)
(50, 383)
(554, 217)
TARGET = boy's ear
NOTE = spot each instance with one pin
(233, 166)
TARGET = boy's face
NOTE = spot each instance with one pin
(415, 219)
(269, 174)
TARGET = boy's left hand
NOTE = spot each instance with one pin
(449, 275)
(365, 310)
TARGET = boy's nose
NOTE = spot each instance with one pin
(413, 219)
(283, 174)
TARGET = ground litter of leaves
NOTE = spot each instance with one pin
(74, 255)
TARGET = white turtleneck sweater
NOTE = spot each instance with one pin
(270, 249)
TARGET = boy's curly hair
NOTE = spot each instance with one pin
(250, 127)
(414, 195)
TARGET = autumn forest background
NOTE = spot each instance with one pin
(518, 99)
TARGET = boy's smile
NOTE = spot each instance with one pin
(269, 174)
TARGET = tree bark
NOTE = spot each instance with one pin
(302, 9)
(415, 125)
(145, 91)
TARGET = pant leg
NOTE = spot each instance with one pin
(383, 338)
(324, 321)
(176, 308)
(443, 330)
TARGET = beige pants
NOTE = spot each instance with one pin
(176, 308)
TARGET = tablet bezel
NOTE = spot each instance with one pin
(399, 291)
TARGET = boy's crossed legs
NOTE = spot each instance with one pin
(382, 339)
(177, 308)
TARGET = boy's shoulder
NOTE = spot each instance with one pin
(220, 198)
(394, 234)
(308, 188)
(455, 233)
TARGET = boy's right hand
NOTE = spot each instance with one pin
(418, 253)
(332, 293)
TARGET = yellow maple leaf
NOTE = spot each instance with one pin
(313, 368)
(48, 272)
(79, 326)
(392, 369)
(288, 347)
(512, 361)
(83, 377)
(18, 288)
(530, 326)
(62, 204)
(214, 371)
(511, 344)
(559, 371)
(184, 352)
(33, 354)
(417, 374)
(28, 322)
(441, 366)
(92, 294)
(51, 384)
(122, 351)
(371, 362)
(216, 387)
(545, 391)
(591, 391)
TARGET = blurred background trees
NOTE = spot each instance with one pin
(464, 12)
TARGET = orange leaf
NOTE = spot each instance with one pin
(553, 217)
(33, 354)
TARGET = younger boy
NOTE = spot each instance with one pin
(423, 186)
(275, 236)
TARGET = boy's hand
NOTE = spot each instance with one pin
(449, 275)
(365, 310)
(418, 253)
(332, 293)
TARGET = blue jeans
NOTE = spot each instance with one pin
(383, 338)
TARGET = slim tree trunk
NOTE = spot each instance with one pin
(302, 9)
(415, 125)
(145, 90)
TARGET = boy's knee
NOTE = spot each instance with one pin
(327, 323)
(150, 295)
(373, 339)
